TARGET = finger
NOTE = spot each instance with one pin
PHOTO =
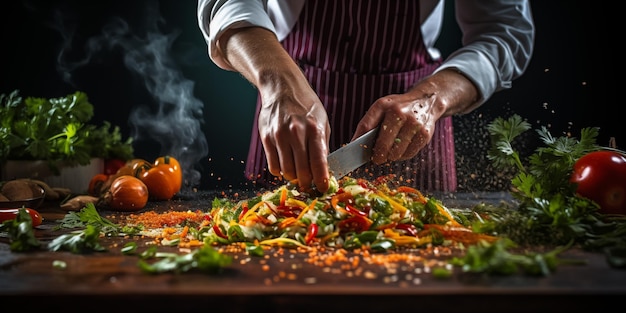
(286, 159)
(302, 168)
(418, 142)
(401, 143)
(273, 159)
(372, 118)
(386, 138)
(318, 154)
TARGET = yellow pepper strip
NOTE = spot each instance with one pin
(312, 205)
(295, 202)
(252, 210)
(255, 219)
(329, 236)
(403, 240)
(444, 211)
(394, 204)
(283, 241)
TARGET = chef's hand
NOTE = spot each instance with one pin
(407, 121)
(293, 124)
(294, 129)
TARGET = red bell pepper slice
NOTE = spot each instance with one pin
(356, 223)
(409, 228)
(219, 232)
(288, 211)
(354, 211)
(311, 233)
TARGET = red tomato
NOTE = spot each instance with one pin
(601, 177)
(9, 214)
(160, 182)
(111, 166)
(96, 183)
(127, 193)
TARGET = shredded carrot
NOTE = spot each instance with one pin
(283, 195)
(309, 207)
(288, 222)
(184, 232)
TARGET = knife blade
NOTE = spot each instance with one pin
(352, 155)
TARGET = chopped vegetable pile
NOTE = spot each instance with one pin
(381, 216)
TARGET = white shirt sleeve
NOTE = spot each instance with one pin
(498, 41)
(216, 16)
(498, 35)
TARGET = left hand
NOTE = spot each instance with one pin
(407, 121)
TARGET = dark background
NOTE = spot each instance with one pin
(188, 107)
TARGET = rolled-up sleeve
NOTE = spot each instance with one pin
(498, 41)
(216, 16)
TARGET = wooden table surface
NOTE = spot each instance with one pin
(285, 281)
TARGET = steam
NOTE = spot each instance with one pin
(175, 117)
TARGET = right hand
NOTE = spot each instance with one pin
(294, 129)
(293, 123)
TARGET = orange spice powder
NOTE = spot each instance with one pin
(153, 219)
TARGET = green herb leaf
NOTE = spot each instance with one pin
(78, 242)
(205, 259)
(21, 232)
(56, 130)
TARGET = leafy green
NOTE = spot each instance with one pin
(78, 241)
(55, 130)
(205, 259)
(497, 259)
(550, 210)
(20, 232)
(89, 215)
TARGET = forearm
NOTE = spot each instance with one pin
(453, 93)
(258, 56)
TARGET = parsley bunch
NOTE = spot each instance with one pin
(56, 129)
(550, 211)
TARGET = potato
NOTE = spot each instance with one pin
(16, 190)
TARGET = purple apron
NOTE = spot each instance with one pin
(354, 52)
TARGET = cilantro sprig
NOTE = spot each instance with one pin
(89, 215)
(78, 241)
(205, 259)
(56, 129)
(20, 232)
(550, 211)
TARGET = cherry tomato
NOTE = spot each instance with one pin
(96, 183)
(9, 214)
(177, 170)
(160, 182)
(138, 166)
(127, 193)
(111, 166)
(601, 177)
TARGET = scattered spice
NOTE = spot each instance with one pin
(152, 220)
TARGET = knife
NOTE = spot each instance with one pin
(352, 155)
